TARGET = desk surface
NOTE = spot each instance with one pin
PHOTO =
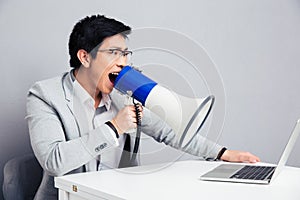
(178, 180)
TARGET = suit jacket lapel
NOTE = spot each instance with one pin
(68, 90)
(70, 117)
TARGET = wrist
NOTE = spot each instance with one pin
(119, 130)
(222, 154)
(112, 126)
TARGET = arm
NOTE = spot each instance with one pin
(199, 146)
(59, 148)
(153, 126)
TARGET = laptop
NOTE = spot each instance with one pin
(247, 173)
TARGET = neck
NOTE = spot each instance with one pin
(87, 84)
(98, 100)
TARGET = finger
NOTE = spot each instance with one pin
(141, 114)
(254, 159)
(129, 108)
(133, 122)
(131, 117)
(132, 108)
(251, 158)
(245, 157)
(140, 107)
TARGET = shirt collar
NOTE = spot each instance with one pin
(106, 101)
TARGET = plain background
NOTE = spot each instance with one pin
(255, 45)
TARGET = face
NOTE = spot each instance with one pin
(104, 68)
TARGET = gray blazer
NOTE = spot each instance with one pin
(58, 144)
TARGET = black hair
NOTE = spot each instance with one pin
(89, 33)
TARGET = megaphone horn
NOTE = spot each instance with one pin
(184, 115)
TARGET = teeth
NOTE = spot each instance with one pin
(115, 73)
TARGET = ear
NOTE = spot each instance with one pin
(84, 58)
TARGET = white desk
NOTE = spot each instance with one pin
(179, 180)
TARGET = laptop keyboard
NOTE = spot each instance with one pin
(254, 172)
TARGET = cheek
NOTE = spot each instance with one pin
(97, 71)
(103, 82)
(100, 74)
(96, 78)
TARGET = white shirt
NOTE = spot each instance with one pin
(88, 119)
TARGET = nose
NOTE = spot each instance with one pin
(122, 61)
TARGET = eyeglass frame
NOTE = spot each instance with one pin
(123, 53)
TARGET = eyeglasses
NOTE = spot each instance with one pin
(117, 53)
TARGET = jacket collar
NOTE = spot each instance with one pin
(68, 88)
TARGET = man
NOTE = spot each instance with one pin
(77, 122)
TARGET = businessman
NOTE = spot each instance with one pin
(77, 122)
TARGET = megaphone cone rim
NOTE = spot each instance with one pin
(206, 100)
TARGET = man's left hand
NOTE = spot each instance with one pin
(239, 156)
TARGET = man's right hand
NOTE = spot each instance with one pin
(126, 119)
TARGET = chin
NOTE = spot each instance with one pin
(107, 90)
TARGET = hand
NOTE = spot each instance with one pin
(239, 156)
(126, 119)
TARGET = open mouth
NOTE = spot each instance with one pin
(112, 76)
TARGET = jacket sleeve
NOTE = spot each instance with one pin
(200, 146)
(49, 135)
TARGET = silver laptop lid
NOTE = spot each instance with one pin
(287, 151)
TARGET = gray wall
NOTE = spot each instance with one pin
(255, 45)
